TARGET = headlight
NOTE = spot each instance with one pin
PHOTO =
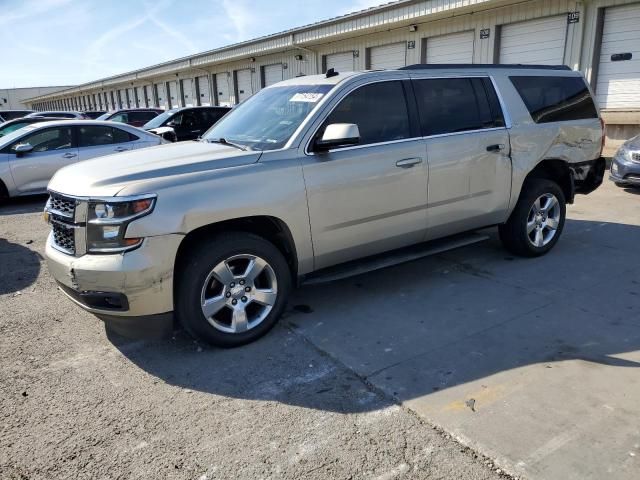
(625, 153)
(614, 168)
(107, 222)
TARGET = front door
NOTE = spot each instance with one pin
(372, 197)
(53, 148)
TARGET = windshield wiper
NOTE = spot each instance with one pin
(224, 141)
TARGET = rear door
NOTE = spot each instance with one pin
(387, 56)
(223, 89)
(53, 148)
(244, 87)
(340, 62)
(468, 153)
(99, 140)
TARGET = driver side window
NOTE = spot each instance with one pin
(47, 140)
(379, 110)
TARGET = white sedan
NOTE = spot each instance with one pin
(31, 155)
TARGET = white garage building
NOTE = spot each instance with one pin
(599, 37)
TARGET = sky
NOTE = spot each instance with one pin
(69, 42)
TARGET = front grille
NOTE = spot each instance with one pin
(64, 237)
(62, 206)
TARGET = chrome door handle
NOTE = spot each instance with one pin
(121, 149)
(408, 162)
(69, 155)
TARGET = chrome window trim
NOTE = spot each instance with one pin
(505, 114)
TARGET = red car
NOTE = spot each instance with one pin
(136, 117)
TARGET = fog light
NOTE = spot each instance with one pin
(614, 168)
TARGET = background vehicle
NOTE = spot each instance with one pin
(6, 115)
(30, 156)
(132, 116)
(625, 166)
(314, 175)
(59, 114)
(93, 115)
(186, 123)
(18, 123)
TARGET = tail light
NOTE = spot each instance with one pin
(603, 135)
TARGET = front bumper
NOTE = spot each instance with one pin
(138, 283)
(625, 173)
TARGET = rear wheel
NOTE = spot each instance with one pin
(536, 223)
(232, 289)
(4, 193)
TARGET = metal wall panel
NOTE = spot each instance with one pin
(387, 56)
(272, 74)
(204, 91)
(541, 41)
(243, 84)
(451, 48)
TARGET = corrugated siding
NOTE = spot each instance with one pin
(540, 41)
(452, 48)
(376, 28)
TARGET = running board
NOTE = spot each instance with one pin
(389, 259)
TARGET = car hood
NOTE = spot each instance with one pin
(109, 175)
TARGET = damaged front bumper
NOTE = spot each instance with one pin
(132, 292)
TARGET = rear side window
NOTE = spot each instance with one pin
(451, 105)
(555, 99)
(96, 135)
(379, 110)
(141, 116)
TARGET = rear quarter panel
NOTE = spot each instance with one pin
(573, 141)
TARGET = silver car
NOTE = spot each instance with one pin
(30, 156)
(625, 166)
(317, 177)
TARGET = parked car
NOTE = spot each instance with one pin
(94, 115)
(187, 123)
(6, 115)
(30, 156)
(18, 123)
(625, 166)
(315, 173)
(59, 114)
(132, 116)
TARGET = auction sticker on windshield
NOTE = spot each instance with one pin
(306, 97)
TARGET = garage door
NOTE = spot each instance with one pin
(132, 98)
(204, 94)
(388, 56)
(188, 92)
(618, 83)
(223, 86)
(272, 74)
(538, 41)
(140, 97)
(173, 94)
(341, 62)
(243, 77)
(454, 48)
(161, 93)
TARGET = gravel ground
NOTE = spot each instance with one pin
(78, 403)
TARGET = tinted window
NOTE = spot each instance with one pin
(141, 116)
(47, 140)
(120, 136)
(120, 117)
(379, 110)
(91, 136)
(449, 105)
(555, 99)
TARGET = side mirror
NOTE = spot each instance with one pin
(338, 135)
(22, 148)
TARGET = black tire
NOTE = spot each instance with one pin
(620, 185)
(4, 193)
(513, 234)
(196, 266)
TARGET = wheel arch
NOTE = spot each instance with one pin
(557, 171)
(272, 229)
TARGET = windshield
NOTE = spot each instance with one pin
(104, 116)
(6, 129)
(10, 137)
(159, 120)
(267, 120)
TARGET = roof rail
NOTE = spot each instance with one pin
(432, 66)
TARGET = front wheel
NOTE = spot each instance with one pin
(232, 289)
(536, 223)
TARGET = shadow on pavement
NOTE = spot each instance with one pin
(20, 267)
(20, 205)
(429, 325)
